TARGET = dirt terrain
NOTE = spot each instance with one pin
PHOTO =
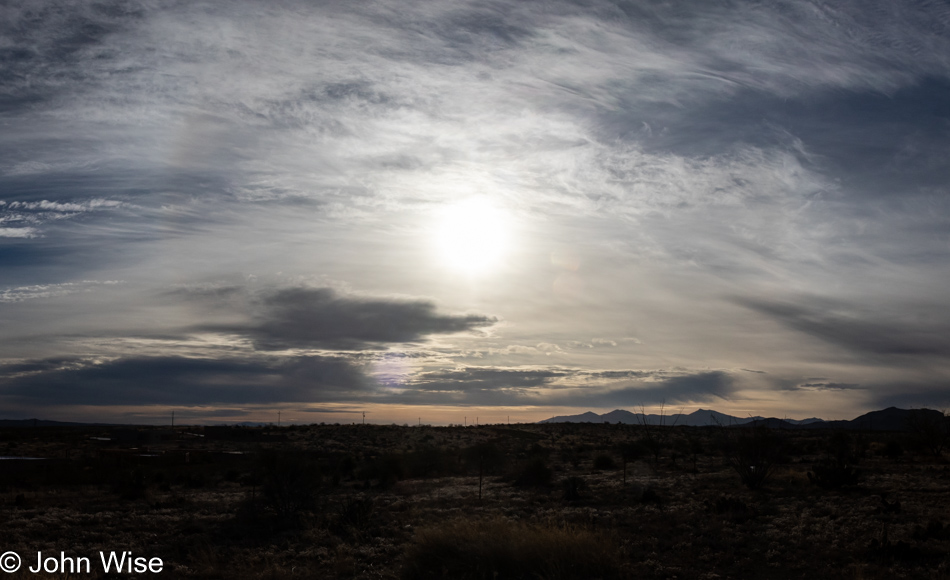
(520, 501)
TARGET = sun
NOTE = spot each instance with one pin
(473, 236)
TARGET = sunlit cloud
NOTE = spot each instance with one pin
(408, 189)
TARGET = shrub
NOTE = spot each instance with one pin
(693, 447)
(570, 455)
(731, 508)
(935, 529)
(653, 446)
(752, 453)
(632, 450)
(573, 488)
(893, 449)
(289, 482)
(728, 504)
(428, 461)
(484, 457)
(650, 495)
(386, 470)
(484, 550)
(929, 430)
(604, 461)
(533, 473)
(353, 517)
(538, 450)
(842, 448)
(131, 484)
(837, 469)
(345, 465)
(831, 474)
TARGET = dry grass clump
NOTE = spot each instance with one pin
(497, 548)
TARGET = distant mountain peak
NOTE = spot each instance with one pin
(889, 419)
(700, 417)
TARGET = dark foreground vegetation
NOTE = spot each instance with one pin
(558, 501)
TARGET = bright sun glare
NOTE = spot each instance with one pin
(473, 235)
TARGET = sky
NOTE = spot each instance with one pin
(444, 212)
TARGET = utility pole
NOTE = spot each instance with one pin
(364, 417)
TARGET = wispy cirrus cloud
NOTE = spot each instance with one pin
(21, 293)
(731, 181)
(859, 332)
(829, 386)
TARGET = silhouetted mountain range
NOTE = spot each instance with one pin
(890, 419)
(45, 423)
(48, 423)
(697, 418)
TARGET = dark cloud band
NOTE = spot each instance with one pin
(173, 380)
(321, 318)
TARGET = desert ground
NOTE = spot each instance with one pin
(493, 501)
